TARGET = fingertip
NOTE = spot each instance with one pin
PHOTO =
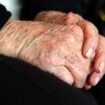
(94, 78)
(87, 86)
(90, 46)
(95, 81)
(64, 74)
(88, 49)
(99, 67)
(99, 64)
(89, 52)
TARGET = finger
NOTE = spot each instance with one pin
(95, 77)
(90, 33)
(87, 86)
(64, 74)
(99, 61)
(76, 66)
(79, 80)
(71, 18)
(79, 77)
(98, 70)
(90, 38)
(99, 64)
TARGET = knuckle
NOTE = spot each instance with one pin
(92, 27)
(80, 80)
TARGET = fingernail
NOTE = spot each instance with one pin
(89, 53)
(93, 55)
(101, 67)
(88, 87)
(96, 80)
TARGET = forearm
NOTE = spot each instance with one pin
(16, 36)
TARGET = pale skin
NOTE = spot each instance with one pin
(90, 41)
(48, 47)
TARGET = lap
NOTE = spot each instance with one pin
(24, 84)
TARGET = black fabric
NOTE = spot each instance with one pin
(23, 84)
(99, 92)
(4, 15)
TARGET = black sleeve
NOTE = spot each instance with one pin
(4, 15)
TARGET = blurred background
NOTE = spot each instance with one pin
(14, 6)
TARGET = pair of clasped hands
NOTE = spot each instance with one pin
(64, 45)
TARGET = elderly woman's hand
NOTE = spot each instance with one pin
(53, 48)
(93, 46)
(98, 67)
(91, 36)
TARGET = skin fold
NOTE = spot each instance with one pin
(89, 30)
(56, 49)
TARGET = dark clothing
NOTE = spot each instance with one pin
(99, 92)
(22, 84)
(89, 9)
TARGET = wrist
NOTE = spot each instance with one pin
(22, 39)
(31, 50)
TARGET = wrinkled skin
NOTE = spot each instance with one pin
(99, 63)
(90, 39)
(56, 49)
(90, 31)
